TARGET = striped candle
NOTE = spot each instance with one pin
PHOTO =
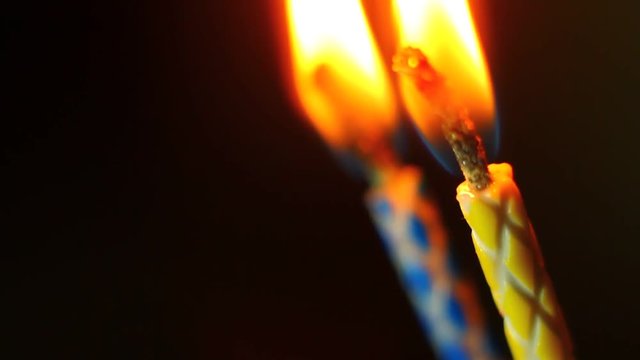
(342, 86)
(409, 224)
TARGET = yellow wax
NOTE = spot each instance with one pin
(512, 264)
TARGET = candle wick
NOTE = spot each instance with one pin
(458, 128)
(467, 146)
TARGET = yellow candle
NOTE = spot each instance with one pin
(513, 266)
(502, 234)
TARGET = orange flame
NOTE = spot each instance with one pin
(444, 31)
(339, 77)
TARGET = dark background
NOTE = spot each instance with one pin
(163, 200)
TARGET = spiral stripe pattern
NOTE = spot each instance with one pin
(446, 305)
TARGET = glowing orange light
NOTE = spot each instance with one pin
(338, 74)
(444, 31)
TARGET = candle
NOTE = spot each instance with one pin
(343, 88)
(491, 203)
(409, 223)
(512, 263)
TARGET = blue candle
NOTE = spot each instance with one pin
(446, 306)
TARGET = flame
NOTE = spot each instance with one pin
(444, 31)
(339, 77)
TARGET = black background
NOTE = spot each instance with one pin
(163, 200)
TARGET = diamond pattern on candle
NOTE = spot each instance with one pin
(446, 305)
(510, 259)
